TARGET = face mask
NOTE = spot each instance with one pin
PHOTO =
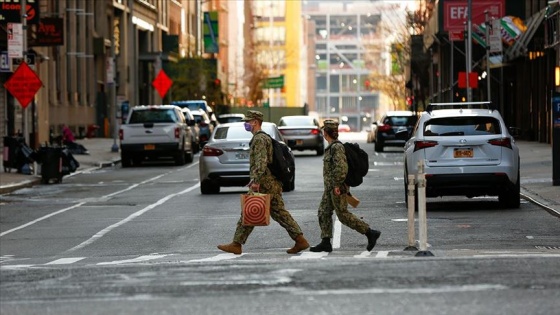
(248, 126)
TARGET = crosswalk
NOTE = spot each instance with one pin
(9, 262)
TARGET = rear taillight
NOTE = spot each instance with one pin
(315, 132)
(121, 134)
(419, 145)
(384, 128)
(209, 151)
(177, 132)
(501, 142)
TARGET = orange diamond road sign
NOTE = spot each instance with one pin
(162, 83)
(23, 84)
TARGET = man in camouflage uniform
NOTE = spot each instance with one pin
(335, 168)
(263, 181)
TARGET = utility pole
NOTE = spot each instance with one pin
(469, 50)
(25, 112)
(488, 25)
(271, 65)
(114, 147)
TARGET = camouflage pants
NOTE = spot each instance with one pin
(278, 213)
(337, 203)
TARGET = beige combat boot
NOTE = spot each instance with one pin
(301, 244)
(233, 247)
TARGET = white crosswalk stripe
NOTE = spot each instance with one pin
(65, 261)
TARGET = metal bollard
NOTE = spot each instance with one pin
(411, 188)
(422, 216)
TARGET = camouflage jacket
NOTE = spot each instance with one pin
(335, 166)
(260, 156)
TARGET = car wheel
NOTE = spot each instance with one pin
(195, 146)
(511, 198)
(378, 146)
(189, 157)
(180, 157)
(125, 160)
(320, 151)
(207, 187)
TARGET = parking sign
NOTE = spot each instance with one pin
(4, 62)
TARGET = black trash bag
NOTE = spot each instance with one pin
(69, 163)
(75, 148)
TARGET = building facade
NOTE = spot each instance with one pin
(110, 52)
(521, 75)
(350, 45)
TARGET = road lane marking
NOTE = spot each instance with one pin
(309, 255)
(131, 217)
(382, 254)
(218, 257)
(364, 254)
(41, 219)
(440, 289)
(337, 232)
(78, 205)
(15, 266)
(65, 261)
(130, 261)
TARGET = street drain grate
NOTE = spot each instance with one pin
(548, 247)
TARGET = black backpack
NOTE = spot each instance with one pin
(358, 164)
(282, 162)
(282, 166)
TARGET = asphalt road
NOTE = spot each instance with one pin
(143, 240)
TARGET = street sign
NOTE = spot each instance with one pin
(29, 60)
(162, 83)
(23, 84)
(4, 62)
(15, 40)
(274, 83)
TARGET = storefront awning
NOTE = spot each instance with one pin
(519, 48)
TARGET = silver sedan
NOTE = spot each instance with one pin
(224, 160)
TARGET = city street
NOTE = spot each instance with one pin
(143, 240)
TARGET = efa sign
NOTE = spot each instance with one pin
(455, 13)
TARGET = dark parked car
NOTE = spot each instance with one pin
(302, 133)
(389, 130)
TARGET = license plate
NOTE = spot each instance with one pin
(299, 142)
(242, 155)
(463, 153)
(149, 147)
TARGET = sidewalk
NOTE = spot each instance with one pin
(100, 155)
(536, 171)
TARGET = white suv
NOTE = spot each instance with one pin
(467, 150)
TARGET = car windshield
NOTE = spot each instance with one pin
(153, 116)
(229, 119)
(400, 120)
(238, 132)
(462, 126)
(296, 121)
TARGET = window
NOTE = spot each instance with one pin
(462, 126)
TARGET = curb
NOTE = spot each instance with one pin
(539, 202)
(37, 179)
